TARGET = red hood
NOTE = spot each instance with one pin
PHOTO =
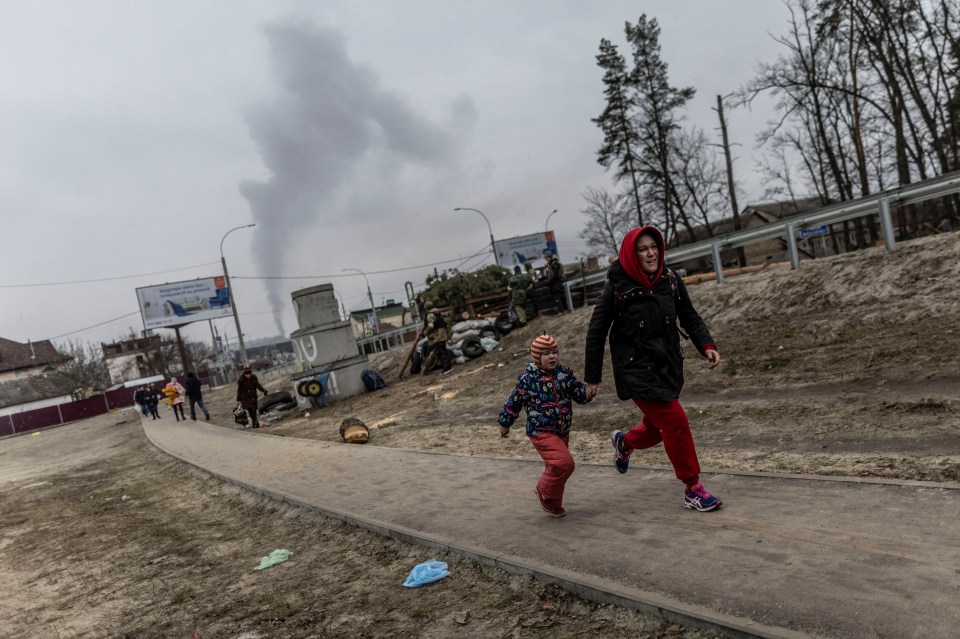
(628, 255)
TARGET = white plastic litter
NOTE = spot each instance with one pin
(488, 343)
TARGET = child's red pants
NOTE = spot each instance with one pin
(667, 422)
(559, 465)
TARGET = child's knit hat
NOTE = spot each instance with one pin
(541, 345)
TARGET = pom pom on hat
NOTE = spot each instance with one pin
(541, 345)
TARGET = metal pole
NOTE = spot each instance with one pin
(886, 224)
(493, 245)
(546, 224)
(792, 246)
(373, 308)
(233, 302)
(717, 264)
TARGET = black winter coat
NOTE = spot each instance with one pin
(644, 339)
(194, 389)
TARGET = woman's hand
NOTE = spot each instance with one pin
(592, 390)
(713, 357)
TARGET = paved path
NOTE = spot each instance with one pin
(785, 557)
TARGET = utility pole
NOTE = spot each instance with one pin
(741, 255)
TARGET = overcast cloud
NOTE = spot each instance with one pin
(134, 135)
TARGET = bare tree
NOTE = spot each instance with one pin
(85, 367)
(608, 219)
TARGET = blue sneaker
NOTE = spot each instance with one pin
(697, 498)
(622, 459)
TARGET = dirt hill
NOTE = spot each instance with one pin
(846, 366)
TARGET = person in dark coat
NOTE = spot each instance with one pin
(640, 306)
(554, 273)
(247, 387)
(195, 395)
(152, 398)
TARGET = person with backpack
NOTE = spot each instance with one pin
(437, 336)
(640, 306)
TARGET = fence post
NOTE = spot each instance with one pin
(792, 246)
(886, 224)
(717, 264)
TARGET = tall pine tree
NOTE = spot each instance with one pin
(620, 139)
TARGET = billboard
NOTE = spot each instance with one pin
(519, 250)
(181, 303)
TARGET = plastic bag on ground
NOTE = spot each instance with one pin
(276, 557)
(488, 343)
(426, 573)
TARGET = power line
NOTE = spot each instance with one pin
(392, 270)
(106, 279)
(115, 319)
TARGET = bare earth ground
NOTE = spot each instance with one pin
(848, 366)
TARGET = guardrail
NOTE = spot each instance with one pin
(880, 203)
(388, 339)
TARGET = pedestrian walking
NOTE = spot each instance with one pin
(152, 396)
(140, 397)
(175, 394)
(194, 391)
(545, 389)
(247, 387)
(641, 303)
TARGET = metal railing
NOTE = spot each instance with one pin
(387, 340)
(787, 229)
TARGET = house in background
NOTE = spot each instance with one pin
(391, 315)
(753, 216)
(38, 391)
(29, 376)
(131, 359)
(26, 360)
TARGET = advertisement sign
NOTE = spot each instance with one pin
(181, 303)
(519, 250)
(816, 231)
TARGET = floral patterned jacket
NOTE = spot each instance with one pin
(546, 396)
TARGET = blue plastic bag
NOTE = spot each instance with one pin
(426, 573)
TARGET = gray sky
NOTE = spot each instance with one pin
(134, 135)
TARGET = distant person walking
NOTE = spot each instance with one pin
(152, 397)
(641, 303)
(247, 387)
(140, 397)
(175, 394)
(545, 390)
(195, 394)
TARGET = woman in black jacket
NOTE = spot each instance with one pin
(640, 306)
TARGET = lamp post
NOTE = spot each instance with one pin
(493, 246)
(233, 302)
(546, 225)
(373, 309)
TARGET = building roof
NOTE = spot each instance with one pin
(15, 356)
(33, 389)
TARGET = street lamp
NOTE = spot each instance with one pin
(493, 246)
(546, 225)
(373, 309)
(233, 302)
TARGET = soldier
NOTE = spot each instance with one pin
(437, 336)
(554, 272)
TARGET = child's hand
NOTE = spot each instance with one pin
(504, 431)
(592, 390)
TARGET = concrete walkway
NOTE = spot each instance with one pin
(786, 556)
